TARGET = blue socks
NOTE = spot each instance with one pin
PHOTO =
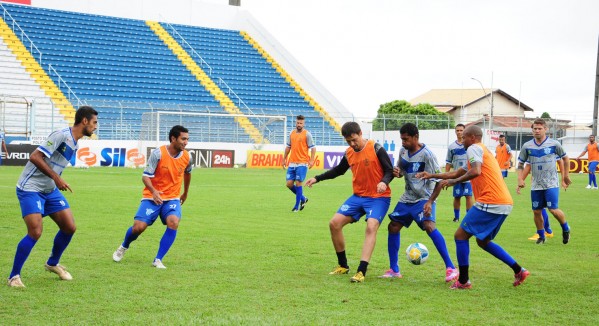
(456, 213)
(546, 221)
(299, 196)
(565, 227)
(439, 242)
(393, 249)
(293, 189)
(61, 241)
(166, 242)
(462, 248)
(23, 250)
(129, 237)
(499, 253)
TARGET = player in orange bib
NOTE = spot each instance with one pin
(593, 149)
(297, 159)
(492, 206)
(503, 154)
(372, 172)
(169, 167)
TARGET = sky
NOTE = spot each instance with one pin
(367, 53)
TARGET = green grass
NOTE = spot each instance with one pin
(241, 257)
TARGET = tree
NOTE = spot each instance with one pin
(545, 115)
(394, 114)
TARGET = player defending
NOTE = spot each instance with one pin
(298, 163)
(2, 144)
(417, 204)
(38, 191)
(492, 206)
(503, 154)
(593, 149)
(168, 167)
(456, 158)
(372, 172)
(541, 153)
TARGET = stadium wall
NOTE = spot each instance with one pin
(196, 13)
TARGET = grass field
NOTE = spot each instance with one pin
(242, 257)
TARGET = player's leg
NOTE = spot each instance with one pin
(592, 176)
(300, 176)
(398, 219)
(375, 209)
(428, 224)
(546, 225)
(336, 225)
(34, 231)
(32, 207)
(552, 196)
(167, 240)
(457, 195)
(462, 245)
(290, 179)
(66, 224)
(146, 214)
(520, 273)
(469, 196)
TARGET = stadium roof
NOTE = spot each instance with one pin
(447, 100)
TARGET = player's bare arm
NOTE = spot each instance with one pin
(310, 182)
(565, 169)
(312, 157)
(287, 149)
(186, 183)
(37, 158)
(155, 193)
(522, 175)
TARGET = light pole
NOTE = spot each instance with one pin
(489, 100)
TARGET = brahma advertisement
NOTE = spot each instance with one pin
(274, 159)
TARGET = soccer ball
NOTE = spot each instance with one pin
(417, 253)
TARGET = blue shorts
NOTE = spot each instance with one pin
(504, 173)
(33, 202)
(593, 166)
(462, 189)
(545, 198)
(405, 213)
(356, 207)
(297, 173)
(483, 225)
(148, 211)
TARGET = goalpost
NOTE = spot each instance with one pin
(211, 127)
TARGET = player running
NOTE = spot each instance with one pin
(456, 158)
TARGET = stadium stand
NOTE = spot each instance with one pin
(123, 68)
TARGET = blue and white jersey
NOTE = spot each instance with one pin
(422, 160)
(456, 156)
(542, 158)
(58, 149)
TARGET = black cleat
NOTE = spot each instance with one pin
(540, 241)
(456, 219)
(303, 204)
(566, 237)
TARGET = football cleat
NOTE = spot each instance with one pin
(391, 274)
(566, 236)
(358, 278)
(540, 240)
(119, 253)
(588, 187)
(303, 203)
(158, 264)
(339, 270)
(459, 286)
(548, 235)
(60, 270)
(521, 276)
(456, 219)
(15, 282)
(451, 274)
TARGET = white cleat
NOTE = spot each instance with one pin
(15, 282)
(60, 270)
(119, 253)
(158, 264)
(594, 188)
(588, 187)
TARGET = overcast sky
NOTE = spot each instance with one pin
(366, 53)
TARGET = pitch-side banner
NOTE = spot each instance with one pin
(274, 159)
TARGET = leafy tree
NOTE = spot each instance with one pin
(392, 115)
(545, 115)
